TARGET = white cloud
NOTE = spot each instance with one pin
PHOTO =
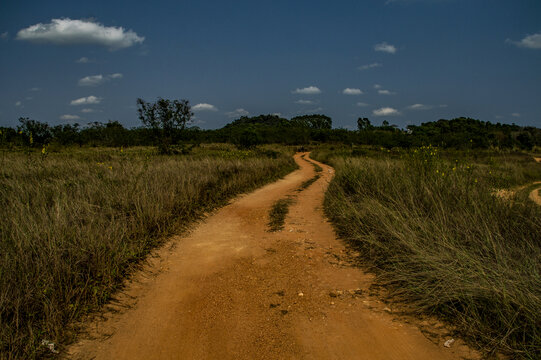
(74, 32)
(95, 80)
(361, 104)
(70, 117)
(420, 107)
(515, 115)
(92, 80)
(204, 107)
(424, 106)
(350, 91)
(237, 113)
(369, 66)
(377, 86)
(83, 60)
(310, 90)
(18, 103)
(385, 111)
(384, 47)
(89, 100)
(88, 111)
(530, 42)
(304, 102)
(385, 92)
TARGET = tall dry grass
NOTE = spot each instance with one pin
(73, 224)
(436, 236)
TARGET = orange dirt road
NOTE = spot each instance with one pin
(232, 290)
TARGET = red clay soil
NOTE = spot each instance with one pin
(232, 290)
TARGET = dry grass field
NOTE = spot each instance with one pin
(73, 224)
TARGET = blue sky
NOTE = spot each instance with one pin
(405, 61)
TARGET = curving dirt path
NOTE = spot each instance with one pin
(232, 290)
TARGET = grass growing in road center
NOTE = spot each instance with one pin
(278, 213)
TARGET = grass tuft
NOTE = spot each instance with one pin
(278, 213)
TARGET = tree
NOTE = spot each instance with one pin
(315, 121)
(35, 133)
(165, 117)
(363, 124)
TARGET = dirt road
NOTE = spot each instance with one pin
(232, 290)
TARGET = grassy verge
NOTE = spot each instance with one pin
(278, 213)
(73, 225)
(432, 230)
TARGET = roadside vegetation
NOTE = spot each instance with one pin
(430, 225)
(75, 223)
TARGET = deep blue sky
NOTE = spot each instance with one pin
(476, 58)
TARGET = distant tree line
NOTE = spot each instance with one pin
(165, 125)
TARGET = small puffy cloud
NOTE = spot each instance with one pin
(75, 32)
(385, 92)
(529, 42)
(92, 80)
(304, 102)
(70, 117)
(384, 47)
(204, 107)
(237, 113)
(310, 90)
(377, 86)
(89, 100)
(88, 110)
(18, 103)
(83, 60)
(420, 107)
(350, 91)
(95, 80)
(385, 111)
(361, 104)
(515, 115)
(369, 66)
(424, 106)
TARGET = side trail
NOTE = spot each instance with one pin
(232, 290)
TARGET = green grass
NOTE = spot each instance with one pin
(308, 182)
(278, 213)
(75, 223)
(431, 229)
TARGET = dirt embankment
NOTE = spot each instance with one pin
(232, 290)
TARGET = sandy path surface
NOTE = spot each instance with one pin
(232, 290)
